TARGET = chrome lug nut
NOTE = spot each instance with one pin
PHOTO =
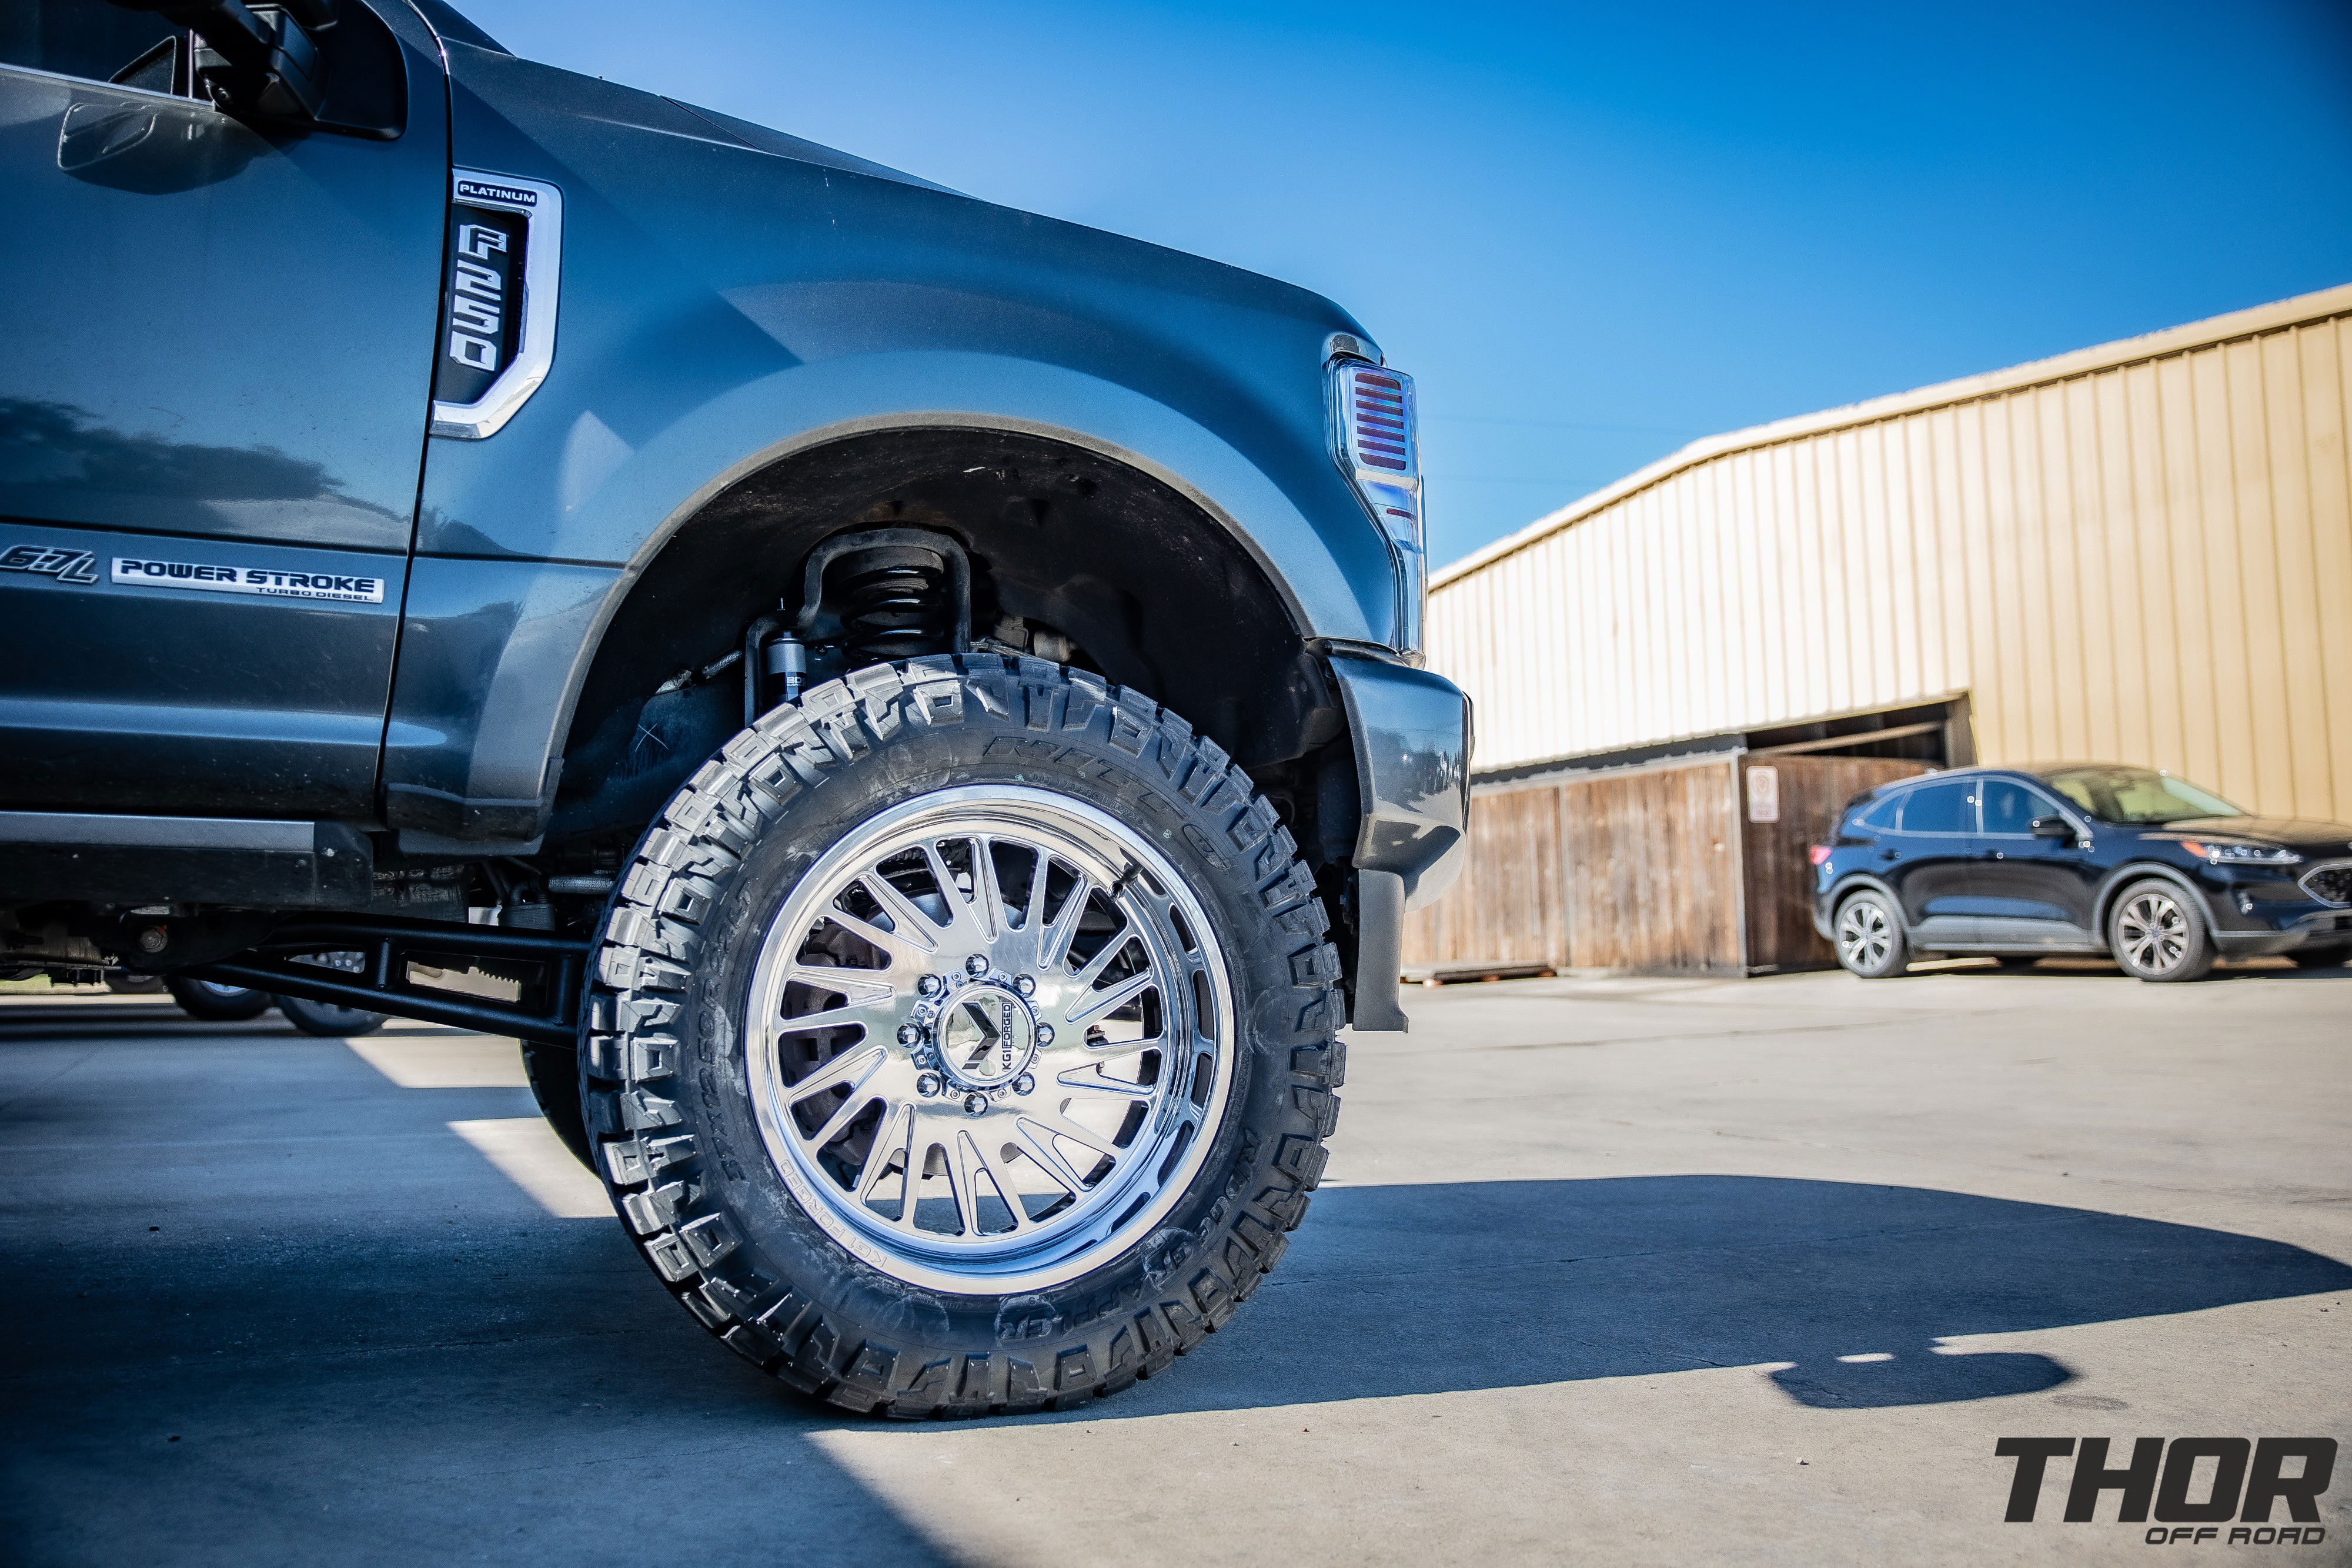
(928, 985)
(1024, 1084)
(975, 1103)
(975, 965)
(1044, 1034)
(1026, 985)
(927, 1085)
(908, 1034)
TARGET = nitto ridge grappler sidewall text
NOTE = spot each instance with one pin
(666, 1083)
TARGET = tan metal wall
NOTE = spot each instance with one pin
(2139, 553)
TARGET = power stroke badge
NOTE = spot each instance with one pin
(268, 583)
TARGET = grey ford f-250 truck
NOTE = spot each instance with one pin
(917, 704)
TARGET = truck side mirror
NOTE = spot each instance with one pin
(2051, 828)
(262, 60)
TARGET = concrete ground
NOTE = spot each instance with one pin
(1614, 1270)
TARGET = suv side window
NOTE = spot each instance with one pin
(1880, 816)
(84, 38)
(1941, 808)
(2010, 809)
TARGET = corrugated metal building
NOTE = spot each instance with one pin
(2140, 552)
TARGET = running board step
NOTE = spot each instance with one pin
(184, 860)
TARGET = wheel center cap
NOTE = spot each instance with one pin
(986, 1036)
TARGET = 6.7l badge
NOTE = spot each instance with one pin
(51, 561)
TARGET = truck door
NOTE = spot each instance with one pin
(216, 347)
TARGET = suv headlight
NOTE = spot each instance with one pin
(1373, 436)
(2215, 853)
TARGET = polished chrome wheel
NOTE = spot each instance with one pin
(1865, 934)
(995, 1039)
(2152, 932)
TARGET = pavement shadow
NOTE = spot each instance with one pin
(264, 1307)
(1424, 1290)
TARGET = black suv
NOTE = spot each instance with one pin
(2023, 863)
(923, 702)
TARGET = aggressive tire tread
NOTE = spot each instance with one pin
(643, 1086)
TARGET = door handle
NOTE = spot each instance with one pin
(1890, 854)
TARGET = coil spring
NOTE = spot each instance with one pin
(895, 604)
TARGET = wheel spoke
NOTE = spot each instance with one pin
(891, 1138)
(899, 942)
(1040, 1148)
(1053, 942)
(1116, 1088)
(1062, 1127)
(1006, 1189)
(867, 1017)
(839, 1123)
(859, 990)
(913, 925)
(964, 1163)
(1091, 1004)
(1032, 918)
(851, 1068)
(961, 910)
(1105, 955)
(986, 897)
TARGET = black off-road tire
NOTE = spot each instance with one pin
(664, 1063)
(206, 1003)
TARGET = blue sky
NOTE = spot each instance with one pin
(1594, 233)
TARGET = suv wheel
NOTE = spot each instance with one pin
(1870, 937)
(2156, 934)
(962, 1039)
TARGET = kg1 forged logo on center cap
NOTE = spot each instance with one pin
(987, 1035)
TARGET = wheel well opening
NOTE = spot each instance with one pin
(1073, 556)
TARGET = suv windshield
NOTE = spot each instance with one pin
(2137, 795)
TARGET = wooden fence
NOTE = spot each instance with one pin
(1780, 868)
(1652, 869)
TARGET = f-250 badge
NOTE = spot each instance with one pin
(51, 561)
